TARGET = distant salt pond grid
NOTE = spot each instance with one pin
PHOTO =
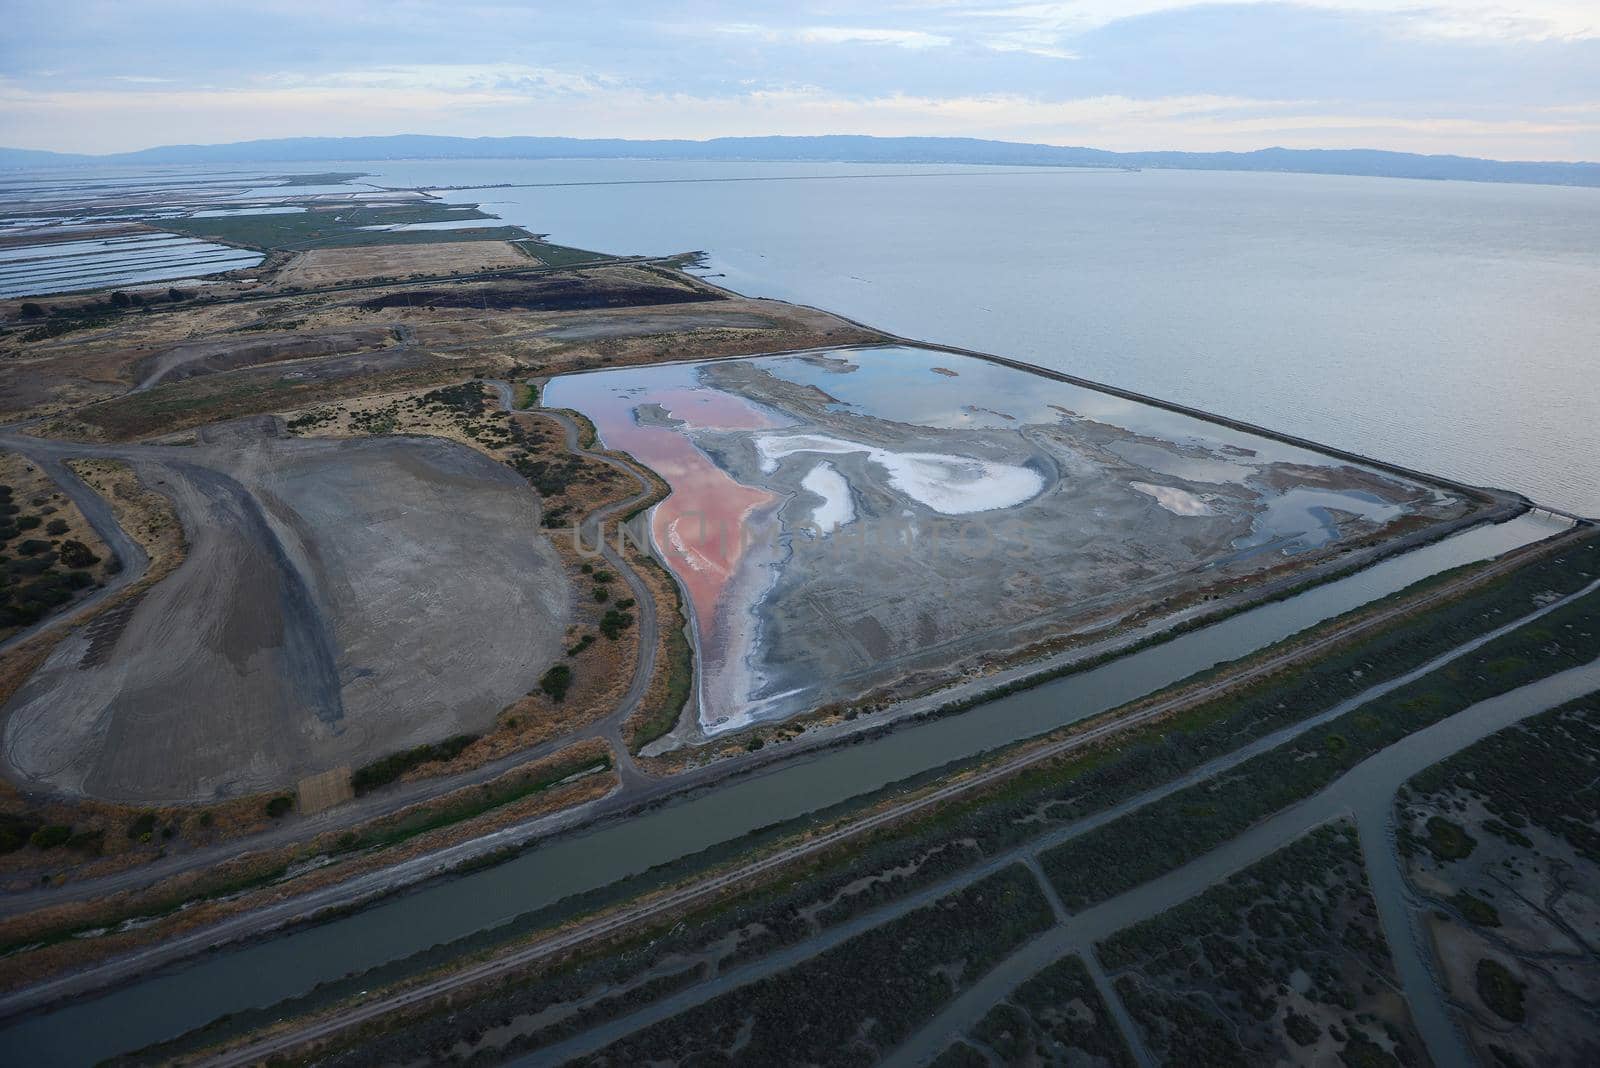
(38, 270)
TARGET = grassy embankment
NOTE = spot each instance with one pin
(229, 879)
(662, 705)
(1161, 837)
(559, 255)
(342, 226)
(346, 225)
(191, 402)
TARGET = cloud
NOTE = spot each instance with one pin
(445, 78)
(1121, 73)
(1028, 42)
(859, 35)
(1528, 20)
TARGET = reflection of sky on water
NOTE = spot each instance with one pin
(1193, 468)
(901, 384)
(1302, 518)
(609, 393)
(910, 385)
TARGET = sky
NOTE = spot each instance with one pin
(1506, 80)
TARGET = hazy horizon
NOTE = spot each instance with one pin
(1152, 149)
(1517, 81)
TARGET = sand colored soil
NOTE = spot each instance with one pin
(329, 266)
(601, 667)
(309, 627)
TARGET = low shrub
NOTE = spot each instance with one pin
(387, 769)
(613, 623)
(556, 682)
(1501, 991)
(51, 835)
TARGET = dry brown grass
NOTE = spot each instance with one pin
(523, 336)
(149, 518)
(56, 376)
(674, 662)
(35, 493)
(144, 514)
(92, 364)
(331, 266)
(318, 793)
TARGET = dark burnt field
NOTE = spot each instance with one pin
(567, 293)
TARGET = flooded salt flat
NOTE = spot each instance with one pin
(949, 485)
(202, 259)
(115, 263)
(97, 247)
(124, 259)
(841, 520)
(45, 211)
(227, 213)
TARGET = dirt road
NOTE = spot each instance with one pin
(592, 531)
(100, 517)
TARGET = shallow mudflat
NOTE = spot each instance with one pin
(339, 600)
(844, 519)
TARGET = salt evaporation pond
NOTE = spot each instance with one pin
(847, 522)
(65, 266)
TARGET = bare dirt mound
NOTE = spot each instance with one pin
(340, 600)
(230, 353)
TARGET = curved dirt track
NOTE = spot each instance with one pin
(636, 786)
(289, 911)
(620, 802)
(339, 600)
(592, 531)
(100, 517)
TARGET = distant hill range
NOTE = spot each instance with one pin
(831, 149)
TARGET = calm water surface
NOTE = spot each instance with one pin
(1451, 326)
